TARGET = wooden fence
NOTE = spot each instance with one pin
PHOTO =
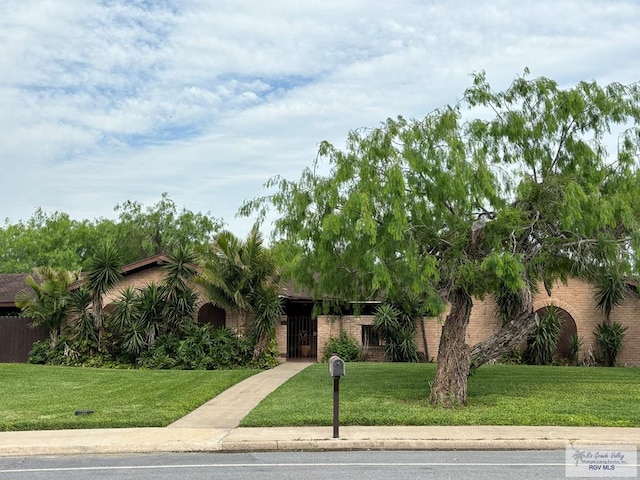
(17, 338)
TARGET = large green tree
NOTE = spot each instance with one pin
(495, 194)
(49, 240)
(160, 228)
(58, 241)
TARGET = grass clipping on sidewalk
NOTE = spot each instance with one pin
(36, 397)
(396, 394)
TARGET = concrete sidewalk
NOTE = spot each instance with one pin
(156, 440)
(214, 428)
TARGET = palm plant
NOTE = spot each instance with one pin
(269, 310)
(179, 298)
(542, 342)
(611, 290)
(103, 273)
(610, 338)
(47, 300)
(397, 328)
(83, 322)
(240, 276)
(150, 311)
(575, 344)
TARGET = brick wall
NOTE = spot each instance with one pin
(135, 280)
(281, 336)
(576, 298)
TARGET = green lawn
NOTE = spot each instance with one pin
(40, 397)
(35, 397)
(396, 394)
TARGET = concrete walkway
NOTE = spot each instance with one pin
(213, 428)
(231, 406)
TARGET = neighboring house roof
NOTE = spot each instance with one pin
(291, 292)
(10, 284)
(156, 260)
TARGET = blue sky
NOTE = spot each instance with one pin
(108, 101)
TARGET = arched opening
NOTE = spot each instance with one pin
(213, 315)
(569, 329)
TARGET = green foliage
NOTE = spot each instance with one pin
(39, 352)
(72, 353)
(542, 342)
(104, 271)
(49, 240)
(82, 325)
(611, 290)
(55, 240)
(47, 300)
(610, 339)
(169, 308)
(178, 296)
(397, 328)
(161, 228)
(513, 357)
(575, 344)
(241, 276)
(200, 348)
(525, 193)
(344, 346)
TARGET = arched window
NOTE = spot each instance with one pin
(569, 329)
(214, 316)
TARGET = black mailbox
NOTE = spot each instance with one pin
(336, 366)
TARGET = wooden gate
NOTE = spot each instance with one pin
(17, 338)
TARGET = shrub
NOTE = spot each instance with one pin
(513, 357)
(39, 352)
(201, 347)
(344, 346)
(542, 342)
(397, 329)
(74, 353)
(610, 338)
(575, 344)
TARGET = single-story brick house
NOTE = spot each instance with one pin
(301, 336)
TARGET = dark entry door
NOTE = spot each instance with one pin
(302, 338)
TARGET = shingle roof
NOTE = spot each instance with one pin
(10, 284)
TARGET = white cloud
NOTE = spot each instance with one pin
(109, 101)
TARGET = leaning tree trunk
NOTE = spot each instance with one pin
(424, 339)
(454, 355)
(98, 320)
(522, 322)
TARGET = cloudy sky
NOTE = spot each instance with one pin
(114, 100)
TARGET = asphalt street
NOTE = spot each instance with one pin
(434, 465)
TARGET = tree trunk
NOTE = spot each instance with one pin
(424, 340)
(509, 336)
(454, 355)
(98, 320)
(260, 347)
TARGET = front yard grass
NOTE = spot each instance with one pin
(397, 394)
(36, 397)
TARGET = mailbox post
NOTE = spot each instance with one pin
(336, 370)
